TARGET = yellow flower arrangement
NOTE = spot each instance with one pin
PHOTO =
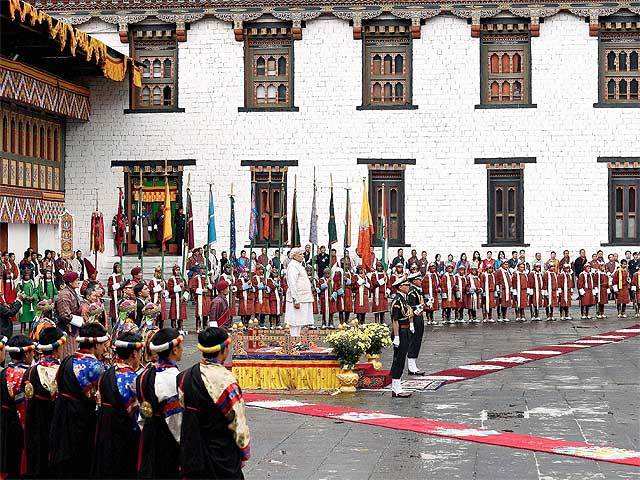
(379, 337)
(349, 345)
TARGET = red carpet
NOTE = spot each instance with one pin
(498, 363)
(456, 431)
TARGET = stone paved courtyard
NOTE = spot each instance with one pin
(591, 395)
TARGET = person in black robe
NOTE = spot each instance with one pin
(12, 462)
(117, 431)
(40, 389)
(160, 408)
(73, 425)
(214, 440)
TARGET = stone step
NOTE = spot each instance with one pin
(129, 262)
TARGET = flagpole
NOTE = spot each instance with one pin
(162, 242)
(347, 223)
(121, 243)
(95, 258)
(251, 236)
(208, 247)
(140, 241)
(232, 254)
(313, 245)
(186, 229)
(282, 196)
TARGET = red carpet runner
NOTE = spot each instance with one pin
(496, 364)
(456, 431)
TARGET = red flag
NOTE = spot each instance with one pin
(120, 227)
(97, 232)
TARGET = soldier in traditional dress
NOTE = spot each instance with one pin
(324, 298)
(550, 289)
(398, 272)
(635, 289)
(220, 311)
(338, 295)
(415, 299)
(227, 275)
(379, 282)
(536, 290)
(519, 286)
(473, 293)
(586, 291)
(489, 298)
(245, 295)
(160, 408)
(201, 293)
(214, 438)
(114, 291)
(503, 287)
(447, 292)
(40, 389)
(601, 282)
(12, 416)
(261, 296)
(565, 290)
(117, 436)
(74, 414)
(159, 294)
(275, 297)
(179, 296)
(459, 290)
(431, 293)
(314, 291)
(621, 284)
(401, 330)
(361, 289)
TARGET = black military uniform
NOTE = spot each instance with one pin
(401, 312)
(415, 299)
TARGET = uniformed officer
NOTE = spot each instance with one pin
(402, 329)
(415, 300)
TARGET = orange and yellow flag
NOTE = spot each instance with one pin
(366, 231)
(167, 231)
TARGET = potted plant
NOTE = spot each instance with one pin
(348, 346)
(379, 338)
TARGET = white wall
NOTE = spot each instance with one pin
(48, 238)
(18, 238)
(565, 191)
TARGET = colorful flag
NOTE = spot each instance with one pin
(333, 233)
(167, 230)
(189, 240)
(253, 218)
(232, 230)
(347, 223)
(295, 231)
(120, 226)
(383, 230)
(211, 237)
(313, 227)
(97, 232)
(366, 231)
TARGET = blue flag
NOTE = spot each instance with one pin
(253, 218)
(232, 231)
(212, 219)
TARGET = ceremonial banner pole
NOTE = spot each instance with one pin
(186, 229)
(313, 227)
(253, 220)
(120, 247)
(95, 258)
(347, 227)
(140, 232)
(282, 220)
(232, 230)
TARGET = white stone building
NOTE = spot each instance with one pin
(563, 156)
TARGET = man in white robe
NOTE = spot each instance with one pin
(299, 311)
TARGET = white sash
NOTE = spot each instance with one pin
(177, 295)
(487, 295)
(537, 277)
(449, 287)
(200, 295)
(566, 287)
(114, 292)
(518, 296)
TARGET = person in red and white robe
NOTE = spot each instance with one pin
(397, 273)
(565, 291)
(245, 297)
(314, 290)
(324, 298)
(586, 291)
(114, 290)
(473, 292)
(228, 276)
(342, 300)
(489, 299)
(635, 288)
(459, 290)
(621, 283)
(550, 290)
(503, 287)
(159, 295)
(379, 282)
(361, 287)
(536, 291)
(601, 282)
(447, 293)
(519, 286)
(201, 293)
(179, 297)
(431, 292)
(261, 297)
(276, 298)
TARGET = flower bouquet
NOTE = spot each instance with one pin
(379, 338)
(349, 345)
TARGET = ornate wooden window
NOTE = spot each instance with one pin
(271, 202)
(32, 150)
(505, 63)
(624, 205)
(386, 66)
(268, 67)
(618, 52)
(505, 206)
(386, 193)
(156, 47)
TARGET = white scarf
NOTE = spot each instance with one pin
(566, 287)
(431, 286)
(200, 295)
(177, 295)
(361, 291)
(518, 288)
(505, 281)
(114, 292)
(258, 281)
(449, 287)
(487, 295)
(536, 278)
(277, 293)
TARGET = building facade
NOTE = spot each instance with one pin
(479, 128)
